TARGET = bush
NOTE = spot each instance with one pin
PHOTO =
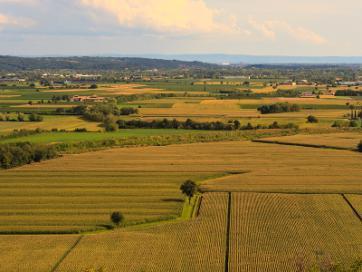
(80, 130)
(117, 218)
(93, 86)
(312, 119)
(359, 146)
(35, 117)
(128, 111)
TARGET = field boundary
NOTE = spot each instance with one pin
(356, 213)
(279, 192)
(228, 225)
(55, 267)
(303, 145)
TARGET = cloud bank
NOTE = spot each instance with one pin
(185, 16)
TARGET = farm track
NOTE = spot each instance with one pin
(304, 145)
(352, 207)
(66, 254)
(227, 250)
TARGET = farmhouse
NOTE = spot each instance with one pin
(92, 98)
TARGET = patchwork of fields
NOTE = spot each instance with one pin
(78, 192)
(264, 207)
(234, 231)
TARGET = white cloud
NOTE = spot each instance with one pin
(180, 16)
(6, 20)
(271, 28)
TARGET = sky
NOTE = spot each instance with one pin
(132, 27)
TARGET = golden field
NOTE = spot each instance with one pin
(281, 232)
(196, 245)
(80, 191)
(347, 140)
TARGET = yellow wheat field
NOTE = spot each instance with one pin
(36, 253)
(342, 140)
(196, 245)
(273, 232)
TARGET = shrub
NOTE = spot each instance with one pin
(312, 119)
(117, 218)
(128, 111)
(35, 117)
(80, 130)
(359, 146)
(93, 86)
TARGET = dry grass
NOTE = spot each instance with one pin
(271, 232)
(197, 245)
(33, 253)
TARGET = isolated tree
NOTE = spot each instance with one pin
(312, 119)
(189, 188)
(359, 147)
(117, 218)
(237, 124)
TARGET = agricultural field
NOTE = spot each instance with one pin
(346, 140)
(356, 201)
(274, 232)
(38, 253)
(196, 245)
(262, 206)
(71, 137)
(78, 192)
(68, 123)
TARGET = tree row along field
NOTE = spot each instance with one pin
(78, 192)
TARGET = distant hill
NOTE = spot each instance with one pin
(10, 63)
(250, 59)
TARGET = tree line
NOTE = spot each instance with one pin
(278, 108)
(190, 124)
(18, 154)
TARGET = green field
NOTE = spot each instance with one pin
(69, 137)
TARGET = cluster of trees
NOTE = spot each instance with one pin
(190, 124)
(279, 107)
(347, 124)
(34, 117)
(100, 112)
(13, 155)
(348, 93)
(58, 98)
(21, 118)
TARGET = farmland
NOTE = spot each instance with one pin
(269, 200)
(345, 140)
(198, 245)
(77, 192)
(271, 232)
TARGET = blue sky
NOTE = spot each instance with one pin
(258, 27)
